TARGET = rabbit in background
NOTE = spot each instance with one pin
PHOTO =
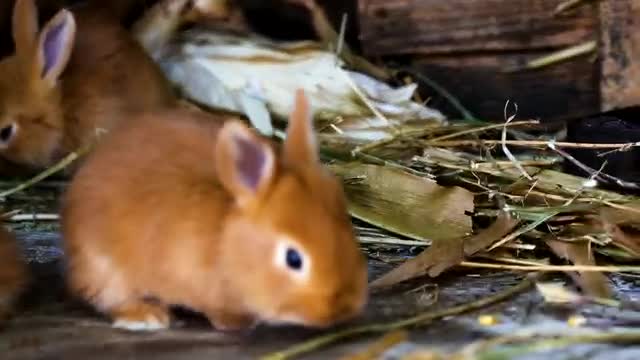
(79, 75)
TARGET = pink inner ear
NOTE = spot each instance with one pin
(252, 162)
(53, 47)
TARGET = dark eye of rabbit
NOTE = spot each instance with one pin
(294, 259)
(6, 133)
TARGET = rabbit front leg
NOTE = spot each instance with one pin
(140, 315)
(224, 320)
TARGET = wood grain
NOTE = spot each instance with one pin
(557, 92)
(620, 53)
(394, 27)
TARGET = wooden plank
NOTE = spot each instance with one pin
(620, 53)
(565, 90)
(394, 27)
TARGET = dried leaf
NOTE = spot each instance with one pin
(434, 260)
(621, 215)
(268, 71)
(594, 284)
(404, 203)
(443, 255)
(503, 225)
(612, 219)
(624, 240)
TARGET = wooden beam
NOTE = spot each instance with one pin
(558, 92)
(620, 53)
(394, 27)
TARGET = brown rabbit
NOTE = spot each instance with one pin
(213, 217)
(13, 272)
(80, 74)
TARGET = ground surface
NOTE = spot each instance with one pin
(49, 325)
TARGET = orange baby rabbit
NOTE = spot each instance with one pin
(80, 74)
(13, 272)
(211, 216)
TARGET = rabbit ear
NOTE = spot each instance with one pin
(300, 145)
(245, 164)
(25, 28)
(54, 47)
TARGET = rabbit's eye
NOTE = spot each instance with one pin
(293, 259)
(7, 132)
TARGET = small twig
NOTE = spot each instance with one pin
(481, 349)
(387, 241)
(380, 161)
(485, 128)
(341, 35)
(506, 151)
(616, 206)
(512, 260)
(527, 143)
(590, 268)
(34, 217)
(580, 190)
(416, 133)
(622, 149)
(597, 175)
(523, 230)
(400, 134)
(363, 97)
(48, 184)
(558, 56)
(66, 161)
(418, 320)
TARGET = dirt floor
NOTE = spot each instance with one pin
(49, 325)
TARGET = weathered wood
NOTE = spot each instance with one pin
(393, 27)
(620, 53)
(563, 90)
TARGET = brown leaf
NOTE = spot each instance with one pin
(406, 204)
(612, 219)
(502, 226)
(443, 255)
(594, 284)
(434, 260)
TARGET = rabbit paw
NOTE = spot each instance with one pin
(141, 317)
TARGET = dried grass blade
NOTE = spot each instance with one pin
(404, 203)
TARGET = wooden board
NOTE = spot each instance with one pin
(620, 53)
(564, 90)
(394, 27)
